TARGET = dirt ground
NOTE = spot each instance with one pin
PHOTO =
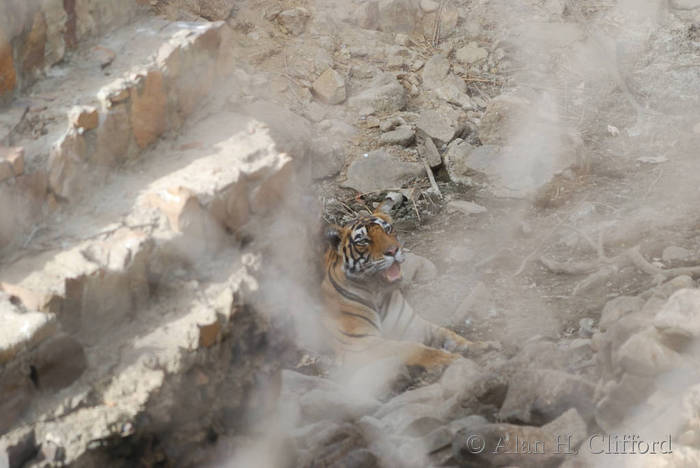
(612, 88)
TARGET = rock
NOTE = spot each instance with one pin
(617, 308)
(468, 424)
(413, 417)
(8, 75)
(66, 165)
(449, 16)
(672, 457)
(685, 4)
(429, 152)
(316, 434)
(378, 170)
(429, 394)
(397, 16)
(437, 78)
(417, 269)
(32, 50)
(366, 15)
(337, 128)
(455, 159)
(270, 193)
(466, 207)
(17, 448)
(435, 71)
(643, 354)
(586, 327)
(439, 438)
(507, 444)
(85, 117)
(402, 136)
(59, 362)
(11, 162)
(104, 56)
(293, 21)
(296, 384)
(429, 6)
(674, 253)
(180, 205)
(52, 452)
(315, 112)
(335, 405)
(212, 10)
(290, 131)
(539, 396)
(665, 290)
(402, 40)
(392, 123)
(114, 93)
(21, 329)
(148, 108)
(423, 426)
(502, 115)
(358, 457)
(56, 17)
(438, 126)
(471, 53)
(459, 376)
(115, 137)
(330, 87)
(363, 381)
(510, 172)
(680, 316)
(327, 157)
(385, 95)
(618, 399)
(616, 334)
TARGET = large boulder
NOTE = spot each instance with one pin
(330, 87)
(441, 127)
(378, 170)
(397, 16)
(446, 86)
(384, 95)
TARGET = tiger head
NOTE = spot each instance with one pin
(368, 248)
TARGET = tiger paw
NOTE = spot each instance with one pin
(457, 345)
(431, 358)
(480, 347)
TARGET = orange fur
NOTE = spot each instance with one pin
(357, 306)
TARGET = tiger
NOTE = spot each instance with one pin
(365, 312)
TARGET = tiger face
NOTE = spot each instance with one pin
(368, 248)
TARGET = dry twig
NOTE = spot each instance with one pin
(433, 184)
(601, 269)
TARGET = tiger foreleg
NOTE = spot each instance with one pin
(408, 352)
(445, 338)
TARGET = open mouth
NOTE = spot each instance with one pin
(393, 273)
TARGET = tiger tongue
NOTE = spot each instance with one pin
(393, 273)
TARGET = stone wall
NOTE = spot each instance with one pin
(36, 34)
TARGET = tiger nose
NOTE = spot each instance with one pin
(391, 251)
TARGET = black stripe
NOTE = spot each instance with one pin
(348, 295)
(346, 343)
(367, 319)
(355, 335)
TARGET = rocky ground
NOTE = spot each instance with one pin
(166, 168)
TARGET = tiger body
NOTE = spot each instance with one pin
(366, 314)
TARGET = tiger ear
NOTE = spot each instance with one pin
(334, 236)
(383, 215)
